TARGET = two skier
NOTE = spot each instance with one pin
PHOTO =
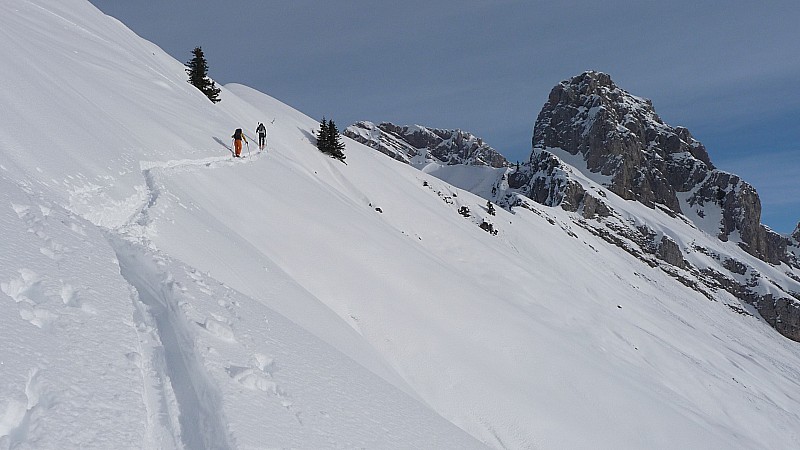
(238, 137)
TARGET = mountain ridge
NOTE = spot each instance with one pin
(419, 145)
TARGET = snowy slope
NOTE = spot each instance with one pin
(110, 345)
(158, 294)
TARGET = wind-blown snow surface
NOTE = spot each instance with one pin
(158, 294)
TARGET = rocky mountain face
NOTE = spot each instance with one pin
(421, 145)
(626, 146)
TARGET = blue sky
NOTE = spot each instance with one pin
(728, 71)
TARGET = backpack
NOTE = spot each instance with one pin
(237, 134)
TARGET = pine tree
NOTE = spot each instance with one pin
(335, 144)
(329, 141)
(197, 69)
(322, 136)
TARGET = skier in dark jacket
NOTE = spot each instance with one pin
(261, 131)
(238, 135)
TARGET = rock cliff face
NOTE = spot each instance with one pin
(547, 180)
(626, 146)
(417, 144)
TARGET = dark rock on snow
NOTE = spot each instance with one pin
(447, 147)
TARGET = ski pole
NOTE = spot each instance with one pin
(248, 148)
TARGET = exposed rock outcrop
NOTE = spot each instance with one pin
(418, 144)
(639, 157)
(546, 180)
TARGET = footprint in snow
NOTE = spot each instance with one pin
(259, 376)
(219, 327)
(34, 223)
(27, 291)
(69, 295)
(198, 279)
(21, 210)
(39, 317)
(24, 411)
(53, 250)
(253, 378)
(27, 288)
(264, 363)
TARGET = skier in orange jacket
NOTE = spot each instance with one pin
(238, 135)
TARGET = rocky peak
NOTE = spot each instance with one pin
(621, 138)
(626, 146)
(796, 233)
(418, 144)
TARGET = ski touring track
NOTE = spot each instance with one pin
(184, 406)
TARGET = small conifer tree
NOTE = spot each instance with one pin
(335, 144)
(197, 69)
(329, 141)
(322, 136)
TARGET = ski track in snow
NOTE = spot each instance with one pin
(184, 407)
(197, 402)
(137, 225)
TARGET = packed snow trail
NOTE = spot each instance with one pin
(202, 424)
(183, 404)
(185, 396)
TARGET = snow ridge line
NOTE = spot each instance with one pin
(179, 369)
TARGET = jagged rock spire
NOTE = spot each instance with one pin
(620, 136)
(624, 142)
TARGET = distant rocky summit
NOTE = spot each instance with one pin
(626, 147)
(418, 145)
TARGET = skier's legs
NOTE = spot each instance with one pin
(237, 144)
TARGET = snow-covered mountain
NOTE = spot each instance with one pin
(615, 139)
(156, 293)
(626, 146)
(419, 146)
